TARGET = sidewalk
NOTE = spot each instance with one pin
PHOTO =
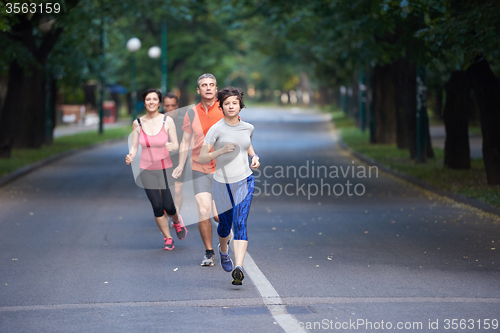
(65, 130)
(438, 136)
(60, 131)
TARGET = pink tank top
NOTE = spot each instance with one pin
(155, 155)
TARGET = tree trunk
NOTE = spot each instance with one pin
(406, 104)
(423, 122)
(337, 98)
(9, 117)
(3, 90)
(323, 98)
(181, 83)
(487, 92)
(53, 100)
(429, 152)
(305, 86)
(184, 98)
(456, 122)
(371, 105)
(439, 102)
(473, 110)
(30, 133)
(384, 105)
(22, 119)
(401, 100)
(354, 112)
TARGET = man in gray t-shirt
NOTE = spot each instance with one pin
(231, 167)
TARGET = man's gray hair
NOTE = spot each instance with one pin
(205, 76)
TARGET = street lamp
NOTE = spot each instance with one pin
(154, 52)
(133, 45)
(164, 58)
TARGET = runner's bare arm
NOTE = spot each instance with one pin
(183, 154)
(207, 156)
(135, 143)
(255, 158)
(172, 135)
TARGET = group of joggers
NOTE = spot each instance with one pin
(222, 179)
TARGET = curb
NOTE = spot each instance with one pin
(420, 183)
(8, 178)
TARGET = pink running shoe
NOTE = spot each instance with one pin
(180, 228)
(169, 244)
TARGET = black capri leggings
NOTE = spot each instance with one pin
(155, 184)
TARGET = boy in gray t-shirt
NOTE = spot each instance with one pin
(230, 142)
(231, 167)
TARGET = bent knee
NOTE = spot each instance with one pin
(204, 213)
(171, 212)
(158, 211)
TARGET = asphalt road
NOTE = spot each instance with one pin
(80, 251)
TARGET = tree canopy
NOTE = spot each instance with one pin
(268, 44)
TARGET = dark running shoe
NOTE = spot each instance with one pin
(225, 261)
(238, 276)
(180, 228)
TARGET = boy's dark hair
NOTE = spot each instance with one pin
(223, 94)
(172, 95)
(151, 90)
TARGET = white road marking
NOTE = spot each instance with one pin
(271, 297)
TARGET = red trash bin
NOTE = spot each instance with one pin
(109, 112)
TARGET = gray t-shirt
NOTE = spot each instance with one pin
(234, 166)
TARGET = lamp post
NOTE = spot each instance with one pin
(133, 45)
(154, 52)
(164, 58)
(101, 75)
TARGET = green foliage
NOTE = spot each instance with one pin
(463, 28)
(337, 39)
(471, 183)
(267, 43)
(4, 18)
(333, 39)
(197, 42)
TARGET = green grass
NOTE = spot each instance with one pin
(475, 130)
(24, 157)
(471, 183)
(269, 104)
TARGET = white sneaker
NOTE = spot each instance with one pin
(208, 260)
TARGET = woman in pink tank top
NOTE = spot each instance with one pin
(153, 131)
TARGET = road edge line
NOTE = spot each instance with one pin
(271, 298)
